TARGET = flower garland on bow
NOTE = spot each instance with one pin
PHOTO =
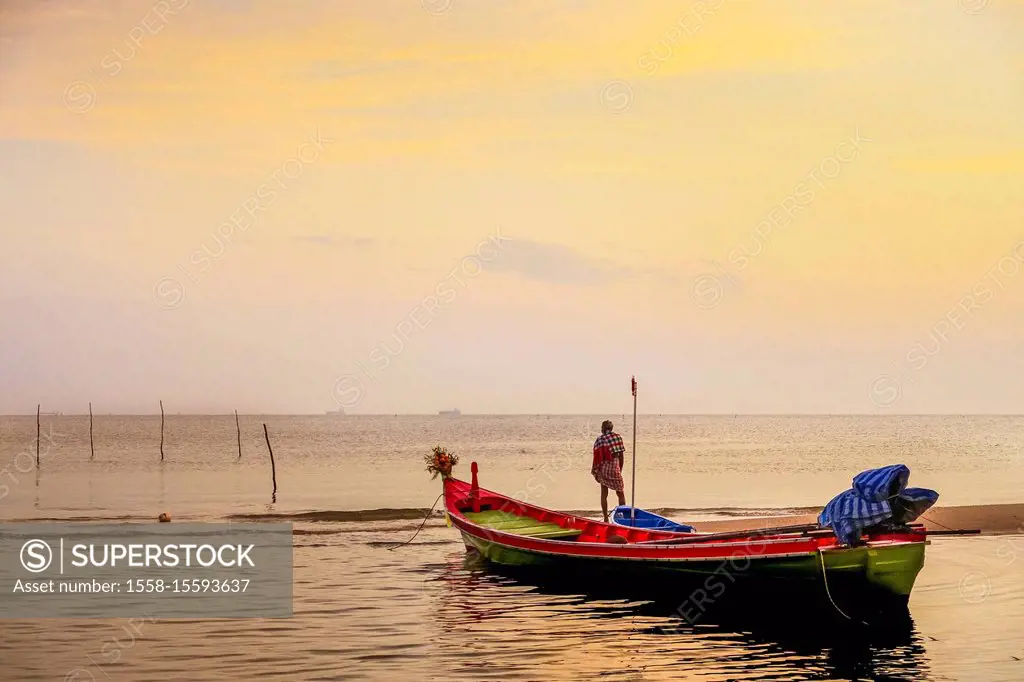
(440, 461)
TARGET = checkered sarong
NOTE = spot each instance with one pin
(607, 449)
(608, 474)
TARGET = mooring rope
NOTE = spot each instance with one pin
(425, 519)
(922, 516)
(828, 593)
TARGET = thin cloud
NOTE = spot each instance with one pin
(333, 240)
(555, 263)
(337, 69)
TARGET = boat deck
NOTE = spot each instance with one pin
(522, 525)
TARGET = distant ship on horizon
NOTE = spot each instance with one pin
(338, 412)
(454, 412)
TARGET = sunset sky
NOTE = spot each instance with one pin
(403, 206)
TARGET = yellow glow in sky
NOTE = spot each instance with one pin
(644, 161)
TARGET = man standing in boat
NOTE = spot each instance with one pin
(609, 454)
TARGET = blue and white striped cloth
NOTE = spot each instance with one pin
(869, 502)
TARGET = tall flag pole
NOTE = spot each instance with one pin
(632, 493)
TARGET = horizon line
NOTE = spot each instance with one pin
(523, 414)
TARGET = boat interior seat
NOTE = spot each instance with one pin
(522, 525)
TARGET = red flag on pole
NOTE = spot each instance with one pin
(633, 380)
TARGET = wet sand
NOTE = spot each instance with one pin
(990, 519)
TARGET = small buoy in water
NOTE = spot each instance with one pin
(164, 518)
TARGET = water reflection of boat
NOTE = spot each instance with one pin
(763, 638)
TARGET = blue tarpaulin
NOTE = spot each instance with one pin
(877, 495)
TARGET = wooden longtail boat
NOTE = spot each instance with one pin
(508, 532)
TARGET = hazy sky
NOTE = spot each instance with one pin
(796, 206)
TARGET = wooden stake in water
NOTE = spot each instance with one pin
(37, 435)
(161, 430)
(238, 430)
(632, 492)
(273, 470)
(92, 450)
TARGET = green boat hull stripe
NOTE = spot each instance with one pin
(893, 568)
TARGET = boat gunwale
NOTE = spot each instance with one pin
(537, 546)
(885, 560)
(668, 550)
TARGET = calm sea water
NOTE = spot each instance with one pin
(427, 611)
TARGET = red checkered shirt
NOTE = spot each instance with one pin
(608, 446)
